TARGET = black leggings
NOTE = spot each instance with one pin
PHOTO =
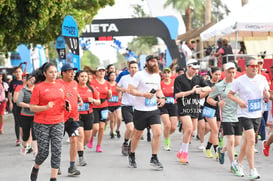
(16, 114)
(27, 124)
(49, 134)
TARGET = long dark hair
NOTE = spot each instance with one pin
(88, 83)
(39, 73)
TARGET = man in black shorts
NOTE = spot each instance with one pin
(146, 87)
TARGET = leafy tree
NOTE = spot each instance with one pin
(32, 21)
(89, 59)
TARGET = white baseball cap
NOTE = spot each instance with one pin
(229, 65)
(193, 63)
(100, 68)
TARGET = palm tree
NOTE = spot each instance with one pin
(185, 6)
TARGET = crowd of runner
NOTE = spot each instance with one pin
(80, 103)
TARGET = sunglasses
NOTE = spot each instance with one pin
(195, 63)
(253, 66)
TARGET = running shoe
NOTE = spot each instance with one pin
(208, 153)
(18, 143)
(254, 174)
(132, 161)
(34, 174)
(255, 150)
(112, 136)
(29, 149)
(99, 149)
(237, 169)
(217, 155)
(118, 134)
(59, 171)
(156, 164)
(265, 148)
(236, 153)
(82, 162)
(90, 143)
(184, 158)
(72, 171)
(221, 156)
(125, 149)
(202, 147)
(179, 155)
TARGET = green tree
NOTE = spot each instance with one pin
(121, 63)
(89, 59)
(32, 21)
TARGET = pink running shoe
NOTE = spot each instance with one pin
(90, 143)
(99, 149)
(179, 155)
(184, 158)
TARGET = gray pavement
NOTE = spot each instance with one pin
(111, 165)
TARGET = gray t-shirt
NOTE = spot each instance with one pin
(230, 109)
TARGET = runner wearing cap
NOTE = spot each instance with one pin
(127, 108)
(148, 97)
(168, 112)
(252, 89)
(231, 127)
(187, 90)
(71, 116)
(100, 111)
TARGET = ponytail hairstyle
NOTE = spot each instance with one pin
(39, 73)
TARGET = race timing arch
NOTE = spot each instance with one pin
(165, 27)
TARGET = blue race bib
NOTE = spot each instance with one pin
(169, 100)
(266, 108)
(84, 107)
(113, 99)
(254, 105)
(150, 102)
(208, 112)
(104, 114)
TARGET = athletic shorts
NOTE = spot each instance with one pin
(86, 121)
(232, 128)
(111, 109)
(71, 127)
(127, 114)
(143, 119)
(100, 114)
(3, 107)
(250, 123)
(170, 109)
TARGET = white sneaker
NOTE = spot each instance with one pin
(254, 174)
(255, 150)
(237, 169)
(201, 147)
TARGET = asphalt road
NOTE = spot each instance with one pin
(112, 166)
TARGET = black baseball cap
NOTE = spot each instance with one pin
(68, 67)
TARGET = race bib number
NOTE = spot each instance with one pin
(84, 107)
(169, 100)
(254, 105)
(208, 112)
(150, 102)
(113, 99)
(104, 114)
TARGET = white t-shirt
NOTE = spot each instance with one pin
(145, 82)
(127, 99)
(250, 90)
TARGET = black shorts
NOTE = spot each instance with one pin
(192, 112)
(86, 121)
(111, 109)
(127, 114)
(250, 123)
(100, 114)
(232, 128)
(143, 119)
(170, 109)
(71, 127)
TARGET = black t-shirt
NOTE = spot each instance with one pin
(207, 104)
(14, 84)
(190, 103)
